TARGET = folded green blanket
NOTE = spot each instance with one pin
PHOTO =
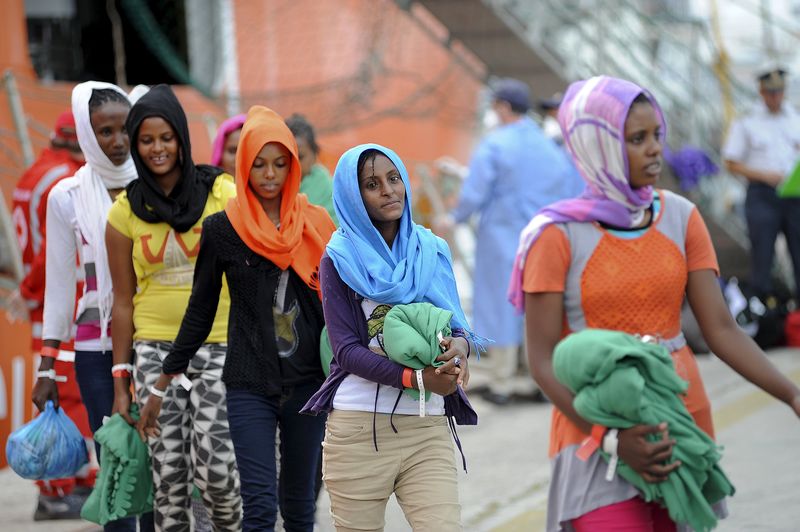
(325, 351)
(620, 381)
(124, 486)
(410, 336)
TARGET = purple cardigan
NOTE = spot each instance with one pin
(347, 330)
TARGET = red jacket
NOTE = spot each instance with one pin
(29, 214)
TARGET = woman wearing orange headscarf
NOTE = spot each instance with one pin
(268, 242)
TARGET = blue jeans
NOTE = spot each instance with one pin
(93, 371)
(253, 420)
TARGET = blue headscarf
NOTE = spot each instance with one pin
(417, 267)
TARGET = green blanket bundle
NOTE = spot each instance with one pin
(124, 486)
(410, 336)
(620, 381)
(325, 351)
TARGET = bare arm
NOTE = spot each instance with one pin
(731, 344)
(356, 358)
(543, 315)
(752, 174)
(123, 277)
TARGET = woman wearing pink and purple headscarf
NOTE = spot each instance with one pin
(622, 257)
(223, 151)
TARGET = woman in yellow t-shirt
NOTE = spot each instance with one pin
(153, 237)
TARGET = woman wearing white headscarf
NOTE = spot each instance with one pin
(77, 210)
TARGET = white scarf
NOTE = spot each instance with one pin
(92, 201)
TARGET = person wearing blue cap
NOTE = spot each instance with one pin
(514, 171)
(763, 146)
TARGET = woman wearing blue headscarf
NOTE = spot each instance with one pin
(376, 440)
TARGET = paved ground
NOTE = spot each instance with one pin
(506, 487)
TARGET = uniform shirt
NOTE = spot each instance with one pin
(765, 141)
(29, 211)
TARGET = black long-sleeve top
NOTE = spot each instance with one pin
(268, 347)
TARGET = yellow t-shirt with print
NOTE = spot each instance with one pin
(164, 264)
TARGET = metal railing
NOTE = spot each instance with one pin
(674, 56)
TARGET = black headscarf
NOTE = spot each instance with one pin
(185, 204)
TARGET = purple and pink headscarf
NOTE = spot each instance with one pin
(231, 124)
(592, 117)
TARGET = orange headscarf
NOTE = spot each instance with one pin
(304, 229)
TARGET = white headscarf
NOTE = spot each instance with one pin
(137, 92)
(92, 201)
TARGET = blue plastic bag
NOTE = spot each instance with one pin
(50, 446)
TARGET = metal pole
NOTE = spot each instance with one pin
(767, 34)
(18, 115)
(230, 58)
(118, 40)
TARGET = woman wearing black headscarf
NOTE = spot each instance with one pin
(153, 240)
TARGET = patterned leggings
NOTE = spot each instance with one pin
(195, 444)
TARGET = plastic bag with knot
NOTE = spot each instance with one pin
(49, 447)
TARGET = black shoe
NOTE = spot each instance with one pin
(51, 508)
(495, 398)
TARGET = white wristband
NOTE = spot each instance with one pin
(611, 445)
(421, 387)
(51, 374)
(158, 393)
(123, 367)
(611, 441)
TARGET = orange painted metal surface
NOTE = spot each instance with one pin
(16, 379)
(360, 70)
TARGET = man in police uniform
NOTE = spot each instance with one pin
(763, 147)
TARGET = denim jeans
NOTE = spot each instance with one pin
(254, 420)
(93, 371)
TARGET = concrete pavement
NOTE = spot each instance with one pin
(760, 438)
(506, 487)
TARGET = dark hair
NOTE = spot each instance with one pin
(301, 128)
(102, 96)
(366, 155)
(642, 98)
